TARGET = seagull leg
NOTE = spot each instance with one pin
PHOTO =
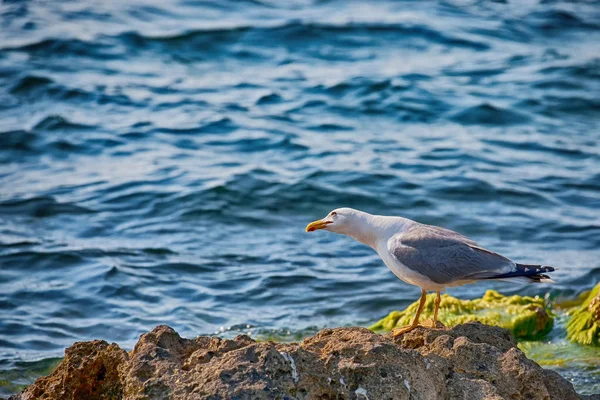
(438, 299)
(433, 322)
(400, 331)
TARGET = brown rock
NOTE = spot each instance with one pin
(88, 371)
(475, 331)
(471, 361)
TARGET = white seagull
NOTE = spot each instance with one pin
(427, 256)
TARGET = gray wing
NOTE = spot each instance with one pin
(445, 256)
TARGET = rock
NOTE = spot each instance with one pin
(526, 317)
(470, 361)
(583, 326)
(88, 371)
(486, 364)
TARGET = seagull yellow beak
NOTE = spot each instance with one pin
(319, 224)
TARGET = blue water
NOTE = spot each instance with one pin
(160, 160)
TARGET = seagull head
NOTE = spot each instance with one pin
(361, 226)
(339, 220)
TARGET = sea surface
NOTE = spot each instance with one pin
(159, 160)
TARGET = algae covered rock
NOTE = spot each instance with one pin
(526, 317)
(584, 321)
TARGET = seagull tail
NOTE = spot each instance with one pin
(529, 273)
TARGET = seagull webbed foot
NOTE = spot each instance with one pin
(401, 331)
(426, 324)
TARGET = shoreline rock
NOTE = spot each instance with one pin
(469, 361)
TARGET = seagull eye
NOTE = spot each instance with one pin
(333, 213)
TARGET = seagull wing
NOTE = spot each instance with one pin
(445, 256)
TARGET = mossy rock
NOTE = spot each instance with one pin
(526, 317)
(583, 326)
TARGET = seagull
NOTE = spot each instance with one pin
(427, 256)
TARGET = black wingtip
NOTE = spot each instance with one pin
(529, 269)
(535, 273)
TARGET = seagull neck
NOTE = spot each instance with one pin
(366, 230)
(372, 229)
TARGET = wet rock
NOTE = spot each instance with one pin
(470, 361)
(526, 317)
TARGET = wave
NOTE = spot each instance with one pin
(560, 20)
(547, 148)
(59, 123)
(40, 207)
(30, 83)
(293, 31)
(57, 47)
(487, 114)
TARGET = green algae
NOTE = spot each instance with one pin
(583, 326)
(526, 317)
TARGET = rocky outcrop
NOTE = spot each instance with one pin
(88, 371)
(528, 318)
(583, 326)
(470, 361)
